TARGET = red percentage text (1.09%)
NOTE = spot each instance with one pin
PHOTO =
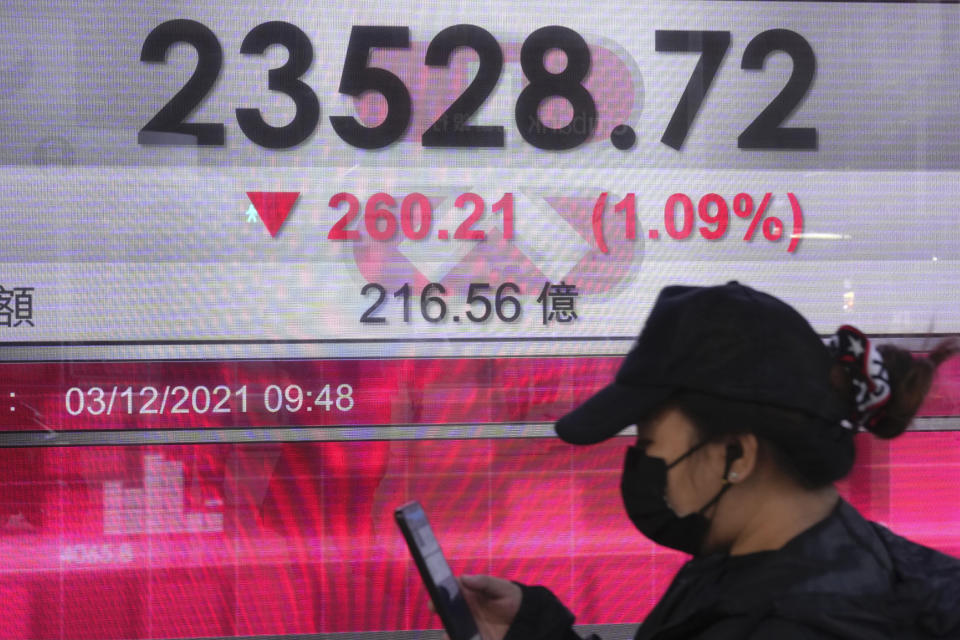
(713, 210)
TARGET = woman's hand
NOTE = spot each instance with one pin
(494, 603)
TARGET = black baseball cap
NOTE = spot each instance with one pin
(729, 341)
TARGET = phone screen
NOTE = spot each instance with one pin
(439, 579)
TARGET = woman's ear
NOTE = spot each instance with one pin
(741, 457)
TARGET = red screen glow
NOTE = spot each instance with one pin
(218, 540)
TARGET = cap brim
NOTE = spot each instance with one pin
(609, 411)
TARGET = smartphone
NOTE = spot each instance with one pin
(439, 579)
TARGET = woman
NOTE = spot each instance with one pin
(745, 420)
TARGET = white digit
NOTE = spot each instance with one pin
(206, 402)
(323, 398)
(79, 409)
(273, 389)
(345, 392)
(96, 394)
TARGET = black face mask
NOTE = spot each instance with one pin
(643, 486)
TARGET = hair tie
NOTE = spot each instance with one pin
(869, 377)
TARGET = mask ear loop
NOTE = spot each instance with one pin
(689, 453)
(732, 456)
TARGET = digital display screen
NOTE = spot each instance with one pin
(221, 540)
(269, 271)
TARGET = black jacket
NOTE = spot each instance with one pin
(844, 578)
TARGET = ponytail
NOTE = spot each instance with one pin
(910, 381)
(883, 386)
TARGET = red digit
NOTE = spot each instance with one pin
(669, 216)
(406, 216)
(464, 232)
(720, 218)
(339, 231)
(373, 213)
(629, 206)
(505, 204)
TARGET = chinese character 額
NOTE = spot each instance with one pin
(16, 306)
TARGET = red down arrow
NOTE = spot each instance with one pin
(273, 207)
